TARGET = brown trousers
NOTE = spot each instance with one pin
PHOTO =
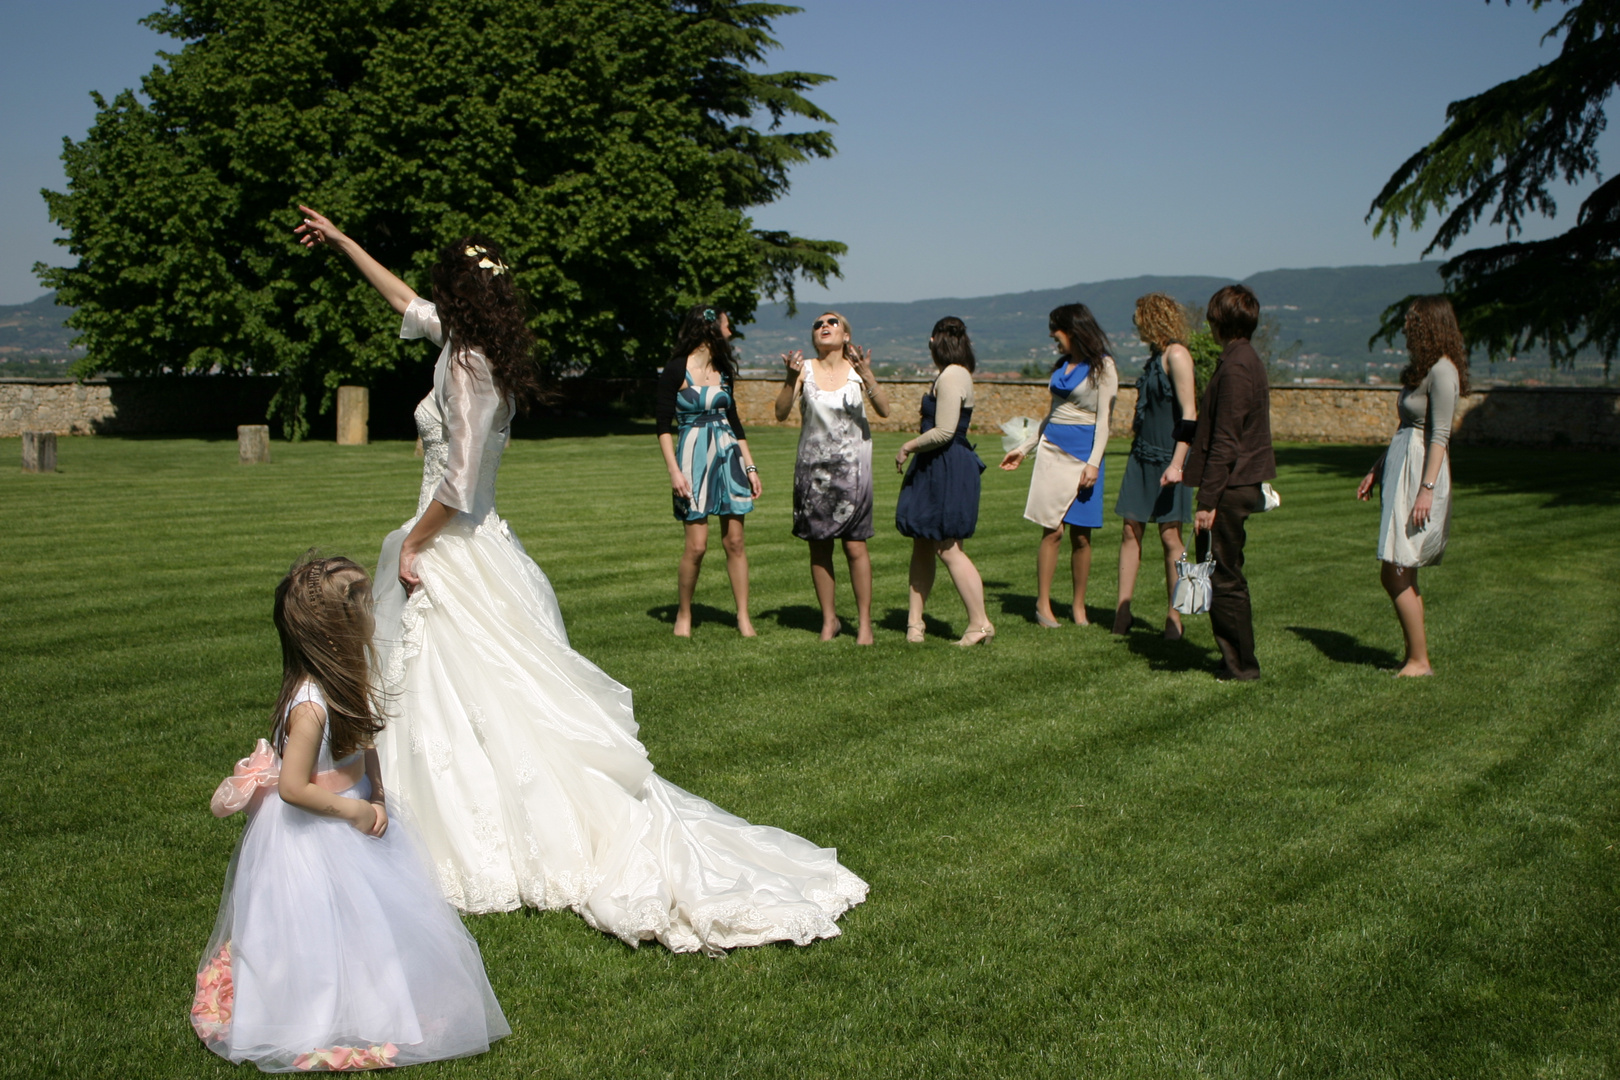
(1230, 616)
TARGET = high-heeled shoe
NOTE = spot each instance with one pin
(975, 637)
(1122, 618)
(915, 632)
(1043, 621)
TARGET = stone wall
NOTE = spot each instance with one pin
(1587, 418)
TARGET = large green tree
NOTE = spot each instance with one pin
(613, 147)
(1501, 153)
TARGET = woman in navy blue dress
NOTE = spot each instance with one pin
(939, 498)
(711, 472)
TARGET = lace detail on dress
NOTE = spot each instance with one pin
(435, 451)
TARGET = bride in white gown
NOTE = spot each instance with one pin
(516, 757)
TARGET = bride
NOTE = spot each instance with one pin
(517, 757)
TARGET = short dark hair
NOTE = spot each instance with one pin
(1233, 312)
(949, 344)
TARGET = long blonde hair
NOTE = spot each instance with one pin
(323, 615)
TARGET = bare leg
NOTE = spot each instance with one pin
(965, 576)
(1130, 559)
(1170, 537)
(1045, 570)
(731, 538)
(922, 582)
(826, 585)
(860, 576)
(1080, 568)
(1401, 584)
(697, 542)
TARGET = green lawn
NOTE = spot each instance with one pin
(1087, 857)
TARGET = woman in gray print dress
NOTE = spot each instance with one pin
(1166, 417)
(832, 479)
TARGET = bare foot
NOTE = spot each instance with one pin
(1122, 618)
(745, 626)
(1172, 628)
(830, 630)
(863, 634)
(1414, 670)
(1046, 619)
(683, 625)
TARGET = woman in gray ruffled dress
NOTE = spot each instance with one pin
(1415, 472)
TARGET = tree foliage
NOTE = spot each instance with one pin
(1501, 153)
(612, 147)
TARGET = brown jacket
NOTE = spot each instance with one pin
(1233, 443)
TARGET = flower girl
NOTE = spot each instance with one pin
(333, 949)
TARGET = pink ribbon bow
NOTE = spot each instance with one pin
(258, 770)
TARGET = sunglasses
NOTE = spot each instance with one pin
(819, 323)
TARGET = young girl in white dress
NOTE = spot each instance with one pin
(515, 755)
(333, 949)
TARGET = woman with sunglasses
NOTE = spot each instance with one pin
(832, 479)
(938, 505)
(711, 472)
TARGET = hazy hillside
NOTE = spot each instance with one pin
(35, 330)
(1331, 312)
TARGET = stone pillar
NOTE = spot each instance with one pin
(39, 451)
(253, 444)
(354, 415)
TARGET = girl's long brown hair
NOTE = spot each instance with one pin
(1432, 332)
(323, 614)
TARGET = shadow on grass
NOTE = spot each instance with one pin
(1161, 655)
(795, 617)
(701, 613)
(1341, 648)
(1564, 477)
(895, 619)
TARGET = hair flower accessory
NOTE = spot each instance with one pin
(708, 314)
(488, 262)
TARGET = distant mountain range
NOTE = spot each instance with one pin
(1331, 312)
(35, 330)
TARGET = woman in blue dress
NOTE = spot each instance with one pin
(711, 472)
(939, 498)
(1067, 485)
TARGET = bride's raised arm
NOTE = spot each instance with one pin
(318, 229)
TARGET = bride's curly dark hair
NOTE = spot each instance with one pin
(482, 308)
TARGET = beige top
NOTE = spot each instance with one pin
(1088, 397)
(1432, 403)
(953, 392)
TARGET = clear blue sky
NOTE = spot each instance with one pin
(990, 148)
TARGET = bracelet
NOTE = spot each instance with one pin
(1428, 487)
(749, 469)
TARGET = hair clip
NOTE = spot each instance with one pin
(708, 314)
(312, 584)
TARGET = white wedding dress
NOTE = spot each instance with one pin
(517, 758)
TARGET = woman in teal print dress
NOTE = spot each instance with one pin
(711, 472)
(1166, 417)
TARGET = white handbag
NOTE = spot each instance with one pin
(1192, 594)
(1269, 499)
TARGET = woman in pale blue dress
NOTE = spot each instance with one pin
(711, 472)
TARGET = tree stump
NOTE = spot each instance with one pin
(39, 451)
(354, 416)
(253, 444)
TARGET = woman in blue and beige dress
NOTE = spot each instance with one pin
(1166, 417)
(1066, 487)
(1415, 471)
(938, 505)
(711, 472)
(832, 479)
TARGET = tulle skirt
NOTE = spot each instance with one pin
(334, 950)
(519, 761)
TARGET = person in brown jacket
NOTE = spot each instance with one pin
(1230, 456)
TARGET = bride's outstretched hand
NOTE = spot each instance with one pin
(316, 229)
